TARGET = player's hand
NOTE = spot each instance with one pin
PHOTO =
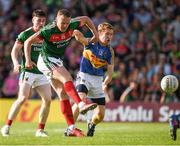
(132, 85)
(29, 64)
(17, 68)
(104, 87)
(93, 39)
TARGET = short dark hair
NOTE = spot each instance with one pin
(38, 13)
(64, 12)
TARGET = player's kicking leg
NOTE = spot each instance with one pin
(174, 125)
(24, 91)
(66, 110)
(45, 93)
(64, 77)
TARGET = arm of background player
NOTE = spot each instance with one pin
(14, 56)
(126, 92)
(87, 21)
(80, 37)
(162, 98)
(27, 48)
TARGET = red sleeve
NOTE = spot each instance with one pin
(40, 37)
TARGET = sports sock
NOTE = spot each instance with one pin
(96, 119)
(9, 122)
(71, 91)
(41, 126)
(71, 127)
(67, 111)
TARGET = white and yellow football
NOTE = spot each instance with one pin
(169, 83)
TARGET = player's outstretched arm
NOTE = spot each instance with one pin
(110, 69)
(80, 37)
(87, 21)
(27, 49)
(107, 80)
(14, 56)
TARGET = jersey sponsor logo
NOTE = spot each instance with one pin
(96, 62)
(62, 43)
(60, 37)
(36, 47)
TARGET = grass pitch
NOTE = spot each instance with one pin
(106, 134)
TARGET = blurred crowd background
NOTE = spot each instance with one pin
(146, 43)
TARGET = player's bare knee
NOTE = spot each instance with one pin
(48, 101)
(67, 79)
(21, 100)
(62, 95)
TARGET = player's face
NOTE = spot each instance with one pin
(105, 36)
(63, 22)
(38, 22)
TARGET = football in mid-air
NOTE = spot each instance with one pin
(169, 83)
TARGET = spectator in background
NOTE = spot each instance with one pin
(143, 15)
(168, 43)
(175, 28)
(98, 18)
(122, 49)
(140, 44)
(10, 86)
(162, 65)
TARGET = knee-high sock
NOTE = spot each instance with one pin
(9, 122)
(67, 111)
(41, 126)
(71, 91)
(96, 119)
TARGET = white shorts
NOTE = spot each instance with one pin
(46, 67)
(33, 79)
(92, 83)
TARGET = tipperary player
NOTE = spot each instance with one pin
(174, 123)
(57, 36)
(97, 56)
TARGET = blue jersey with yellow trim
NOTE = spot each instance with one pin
(95, 59)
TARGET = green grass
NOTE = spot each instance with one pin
(106, 134)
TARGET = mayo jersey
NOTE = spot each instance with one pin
(35, 49)
(55, 41)
(96, 58)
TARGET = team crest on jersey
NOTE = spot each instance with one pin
(104, 55)
(101, 52)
